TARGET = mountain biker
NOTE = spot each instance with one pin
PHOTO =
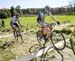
(3, 23)
(15, 22)
(41, 19)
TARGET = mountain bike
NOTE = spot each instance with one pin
(18, 34)
(52, 35)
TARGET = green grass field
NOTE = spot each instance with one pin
(31, 21)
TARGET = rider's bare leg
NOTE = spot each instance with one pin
(50, 32)
(14, 30)
(20, 32)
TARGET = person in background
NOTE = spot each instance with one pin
(3, 23)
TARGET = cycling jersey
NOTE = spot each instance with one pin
(41, 18)
(14, 21)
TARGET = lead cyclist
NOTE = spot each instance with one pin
(41, 19)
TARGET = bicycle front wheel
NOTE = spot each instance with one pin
(34, 48)
(57, 37)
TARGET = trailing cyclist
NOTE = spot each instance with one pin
(15, 22)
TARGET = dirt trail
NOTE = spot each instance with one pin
(53, 55)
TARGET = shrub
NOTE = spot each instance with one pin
(71, 25)
(5, 30)
(66, 30)
(3, 15)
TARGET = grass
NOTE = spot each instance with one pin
(32, 20)
(16, 49)
(62, 18)
(6, 55)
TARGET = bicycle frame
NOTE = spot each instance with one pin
(18, 33)
(48, 28)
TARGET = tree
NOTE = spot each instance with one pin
(18, 10)
(74, 6)
(3, 15)
(12, 11)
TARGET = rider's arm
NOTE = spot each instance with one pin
(48, 10)
(19, 22)
(53, 18)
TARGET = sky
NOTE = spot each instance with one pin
(33, 3)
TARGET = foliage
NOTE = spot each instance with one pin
(18, 10)
(3, 15)
(12, 11)
(66, 31)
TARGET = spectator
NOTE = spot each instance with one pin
(3, 23)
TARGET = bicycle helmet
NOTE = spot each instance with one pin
(47, 8)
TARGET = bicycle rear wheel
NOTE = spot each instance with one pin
(58, 37)
(19, 35)
(40, 38)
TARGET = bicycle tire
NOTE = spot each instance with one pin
(72, 38)
(35, 59)
(19, 35)
(34, 48)
(40, 38)
(51, 54)
(15, 35)
(63, 38)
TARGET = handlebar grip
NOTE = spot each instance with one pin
(58, 23)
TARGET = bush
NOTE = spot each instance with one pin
(5, 30)
(3, 15)
(66, 30)
(71, 25)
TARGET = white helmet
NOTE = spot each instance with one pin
(47, 8)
